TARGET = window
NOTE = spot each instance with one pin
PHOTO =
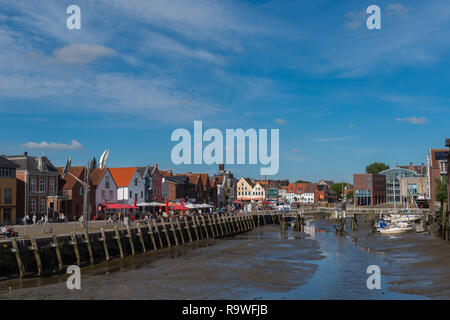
(110, 194)
(107, 182)
(131, 194)
(42, 184)
(7, 198)
(142, 194)
(33, 185)
(42, 206)
(103, 194)
(81, 191)
(135, 181)
(52, 185)
(32, 206)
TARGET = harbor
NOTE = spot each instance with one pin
(265, 262)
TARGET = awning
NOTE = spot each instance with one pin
(119, 206)
(150, 204)
(238, 202)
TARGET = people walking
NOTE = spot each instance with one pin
(34, 219)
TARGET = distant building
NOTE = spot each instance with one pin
(437, 168)
(369, 189)
(104, 187)
(8, 191)
(130, 185)
(393, 176)
(38, 185)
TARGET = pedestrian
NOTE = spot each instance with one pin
(34, 219)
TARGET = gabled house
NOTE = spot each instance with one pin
(130, 185)
(8, 191)
(104, 187)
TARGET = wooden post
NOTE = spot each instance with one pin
(226, 225)
(152, 236)
(158, 233)
(141, 237)
(188, 228)
(196, 226)
(130, 238)
(119, 242)
(75, 248)
(206, 229)
(219, 221)
(37, 256)
(88, 243)
(165, 231)
(231, 223)
(215, 225)
(211, 226)
(105, 244)
(259, 218)
(179, 229)
(58, 252)
(174, 231)
(18, 258)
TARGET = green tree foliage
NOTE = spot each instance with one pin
(350, 195)
(376, 167)
(441, 190)
(302, 181)
(337, 187)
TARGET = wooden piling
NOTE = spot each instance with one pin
(105, 244)
(215, 225)
(37, 255)
(75, 248)
(158, 233)
(88, 244)
(163, 223)
(188, 228)
(130, 239)
(18, 257)
(141, 237)
(179, 229)
(152, 236)
(174, 231)
(196, 225)
(204, 224)
(58, 252)
(119, 241)
(219, 221)
(211, 226)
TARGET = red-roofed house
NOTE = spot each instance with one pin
(130, 185)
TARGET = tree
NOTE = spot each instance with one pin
(441, 190)
(338, 187)
(376, 167)
(350, 195)
(302, 181)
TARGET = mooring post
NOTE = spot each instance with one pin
(37, 256)
(188, 228)
(130, 239)
(152, 236)
(232, 223)
(164, 229)
(75, 248)
(195, 225)
(215, 225)
(179, 229)
(141, 237)
(174, 231)
(18, 258)
(219, 221)
(158, 233)
(58, 252)
(105, 244)
(204, 224)
(119, 242)
(88, 243)
(211, 226)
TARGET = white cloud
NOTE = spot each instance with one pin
(75, 145)
(280, 121)
(81, 53)
(413, 120)
(397, 9)
(334, 139)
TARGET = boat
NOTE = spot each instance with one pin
(389, 227)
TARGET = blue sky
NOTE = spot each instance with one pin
(341, 95)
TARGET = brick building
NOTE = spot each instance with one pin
(369, 189)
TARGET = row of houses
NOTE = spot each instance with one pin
(34, 186)
(249, 190)
(409, 186)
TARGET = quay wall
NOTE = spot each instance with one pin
(49, 255)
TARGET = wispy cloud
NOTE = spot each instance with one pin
(413, 120)
(75, 145)
(333, 139)
(280, 121)
(81, 53)
(295, 150)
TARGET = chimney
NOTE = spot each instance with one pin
(411, 164)
(25, 153)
